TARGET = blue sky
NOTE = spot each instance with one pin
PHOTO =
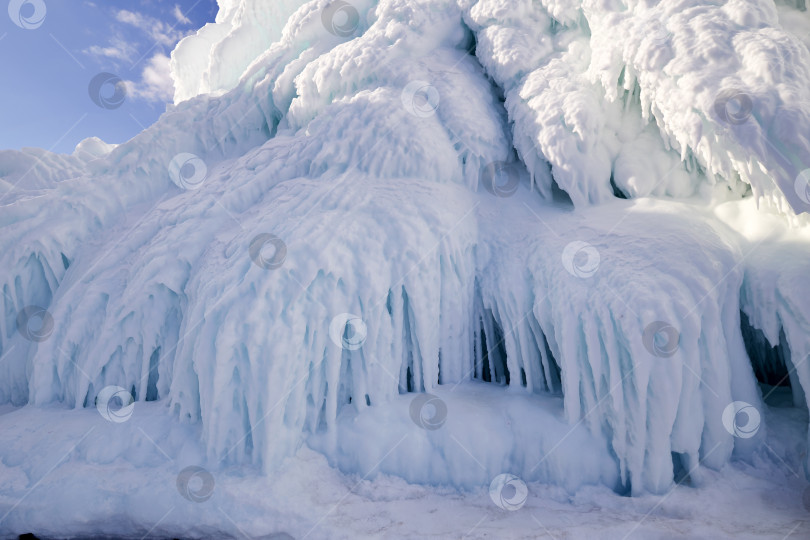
(48, 66)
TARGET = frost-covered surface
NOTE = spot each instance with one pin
(212, 60)
(721, 85)
(32, 169)
(364, 148)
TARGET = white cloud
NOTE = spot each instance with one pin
(162, 37)
(178, 14)
(118, 49)
(156, 82)
(161, 32)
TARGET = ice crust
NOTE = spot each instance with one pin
(319, 139)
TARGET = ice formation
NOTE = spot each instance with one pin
(469, 184)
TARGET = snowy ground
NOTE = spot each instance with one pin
(69, 472)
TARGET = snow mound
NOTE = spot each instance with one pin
(93, 148)
(354, 206)
(644, 100)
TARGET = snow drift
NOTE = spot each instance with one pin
(446, 180)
